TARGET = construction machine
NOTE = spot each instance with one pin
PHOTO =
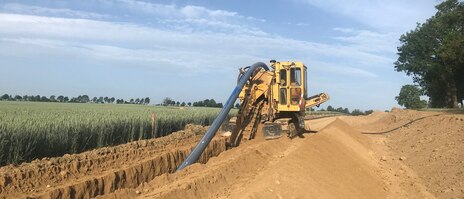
(272, 101)
(275, 101)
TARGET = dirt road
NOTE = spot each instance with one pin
(402, 154)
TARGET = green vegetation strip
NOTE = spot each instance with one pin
(30, 130)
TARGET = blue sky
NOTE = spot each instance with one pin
(191, 50)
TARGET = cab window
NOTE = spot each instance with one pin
(283, 77)
(295, 76)
(283, 96)
(295, 96)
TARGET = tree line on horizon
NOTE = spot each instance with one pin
(78, 99)
(433, 54)
(355, 112)
(205, 103)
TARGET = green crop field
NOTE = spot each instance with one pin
(30, 130)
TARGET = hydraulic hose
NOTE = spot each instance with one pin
(206, 139)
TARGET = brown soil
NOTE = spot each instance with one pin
(401, 154)
(104, 170)
(427, 147)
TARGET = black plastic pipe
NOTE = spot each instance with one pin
(201, 146)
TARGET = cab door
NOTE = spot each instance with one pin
(296, 88)
(291, 89)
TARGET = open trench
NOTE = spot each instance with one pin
(132, 176)
(103, 171)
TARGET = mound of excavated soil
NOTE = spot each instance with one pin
(334, 163)
(432, 146)
(420, 150)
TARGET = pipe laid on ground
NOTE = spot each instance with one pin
(201, 146)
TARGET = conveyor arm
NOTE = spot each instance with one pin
(316, 100)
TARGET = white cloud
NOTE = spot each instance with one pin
(37, 10)
(207, 50)
(302, 24)
(369, 41)
(190, 17)
(385, 22)
(141, 6)
(185, 18)
(190, 11)
(342, 70)
(399, 15)
(173, 11)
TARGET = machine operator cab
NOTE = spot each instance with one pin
(290, 86)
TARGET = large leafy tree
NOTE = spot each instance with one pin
(433, 54)
(409, 97)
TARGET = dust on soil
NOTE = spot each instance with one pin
(401, 154)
